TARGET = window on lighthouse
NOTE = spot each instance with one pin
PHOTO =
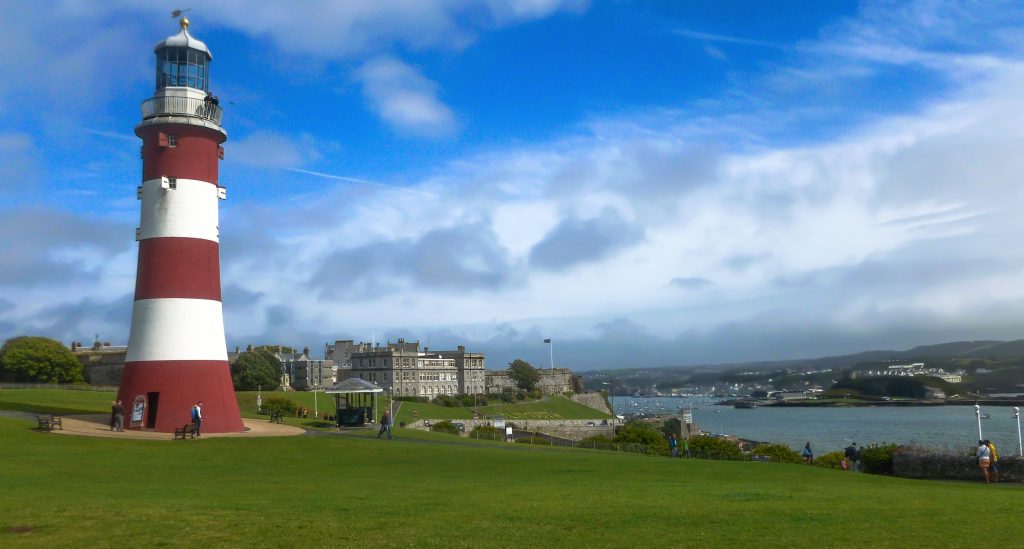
(182, 67)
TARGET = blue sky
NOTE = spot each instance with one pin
(647, 183)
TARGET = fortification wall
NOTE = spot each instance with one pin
(593, 400)
(573, 429)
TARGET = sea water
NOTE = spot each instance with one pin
(952, 428)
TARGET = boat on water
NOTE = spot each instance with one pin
(986, 416)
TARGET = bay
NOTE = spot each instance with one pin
(947, 428)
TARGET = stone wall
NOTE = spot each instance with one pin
(103, 374)
(593, 400)
(552, 382)
(923, 465)
(573, 429)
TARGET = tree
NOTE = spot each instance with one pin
(640, 432)
(256, 369)
(34, 359)
(525, 375)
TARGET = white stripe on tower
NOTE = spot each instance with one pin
(189, 210)
(177, 329)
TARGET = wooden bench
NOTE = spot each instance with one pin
(188, 429)
(276, 417)
(47, 423)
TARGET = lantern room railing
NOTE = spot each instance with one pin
(188, 106)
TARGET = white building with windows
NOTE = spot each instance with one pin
(407, 371)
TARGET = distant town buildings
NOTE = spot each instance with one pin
(402, 367)
(304, 373)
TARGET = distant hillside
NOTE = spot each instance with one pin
(704, 372)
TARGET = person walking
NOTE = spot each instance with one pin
(118, 416)
(808, 454)
(113, 415)
(197, 418)
(984, 458)
(993, 466)
(673, 445)
(385, 425)
(853, 456)
(686, 448)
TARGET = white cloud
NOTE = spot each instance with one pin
(344, 28)
(404, 98)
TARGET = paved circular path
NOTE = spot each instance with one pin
(98, 425)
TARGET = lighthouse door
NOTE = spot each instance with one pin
(154, 399)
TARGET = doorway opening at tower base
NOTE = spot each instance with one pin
(154, 399)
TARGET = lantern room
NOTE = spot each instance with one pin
(181, 60)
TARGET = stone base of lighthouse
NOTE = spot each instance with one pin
(169, 389)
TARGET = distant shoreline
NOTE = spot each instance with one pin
(851, 403)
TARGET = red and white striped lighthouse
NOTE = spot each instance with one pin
(176, 350)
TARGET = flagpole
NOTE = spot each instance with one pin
(551, 350)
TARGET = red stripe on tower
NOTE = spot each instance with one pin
(176, 350)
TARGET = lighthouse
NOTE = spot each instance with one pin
(177, 353)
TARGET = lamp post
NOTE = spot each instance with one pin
(1020, 445)
(977, 412)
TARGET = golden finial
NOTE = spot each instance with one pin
(184, 23)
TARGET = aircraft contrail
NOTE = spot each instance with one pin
(357, 180)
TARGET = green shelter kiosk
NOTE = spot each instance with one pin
(355, 400)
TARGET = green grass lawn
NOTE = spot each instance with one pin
(344, 491)
(56, 401)
(552, 407)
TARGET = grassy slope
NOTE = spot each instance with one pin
(554, 407)
(346, 491)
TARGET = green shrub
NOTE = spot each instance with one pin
(280, 405)
(447, 401)
(641, 432)
(830, 460)
(878, 459)
(508, 395)
(487, 432)
(445, 427)
(535, 394)
(412, 399)
(469, 401)
(709, 447)
(779, 453)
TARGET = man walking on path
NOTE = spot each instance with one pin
(118, 416)
(113, 415)
(673, 444)
(385, 425)
(197, 418)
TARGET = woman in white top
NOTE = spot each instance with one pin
(984, 456)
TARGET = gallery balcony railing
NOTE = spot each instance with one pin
(188, 106)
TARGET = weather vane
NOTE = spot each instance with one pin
(184, 20)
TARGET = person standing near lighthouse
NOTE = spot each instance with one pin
(197, 418)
